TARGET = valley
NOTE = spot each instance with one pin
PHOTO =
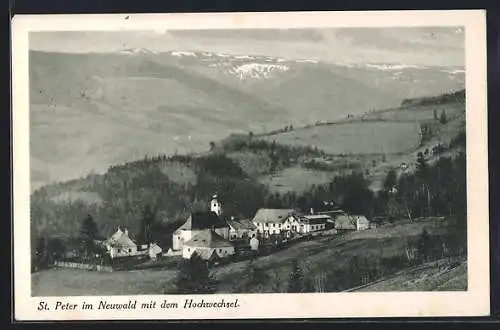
(91, 111)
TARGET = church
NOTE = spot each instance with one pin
(199, 222)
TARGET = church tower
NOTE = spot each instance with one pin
(215, 205)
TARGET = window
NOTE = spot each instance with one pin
(274, 225)
(220, 250)
(130, 250)
(119, 250)
(267, 225)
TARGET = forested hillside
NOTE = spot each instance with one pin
(162, 190)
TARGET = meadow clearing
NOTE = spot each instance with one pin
(354, 137)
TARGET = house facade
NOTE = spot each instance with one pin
(349, 222)
(241, 229)
(276, 221)
(205, 244)
(120, 244)
(314, 222)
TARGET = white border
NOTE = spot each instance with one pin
(474, 302)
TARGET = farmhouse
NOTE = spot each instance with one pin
(205, 244)
(313, 222)
(120, 244)
(348, 222)
(199, 222)
(276, 221)
(242, 228)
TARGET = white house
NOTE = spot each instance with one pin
(199, 222)
(154, 251)
(276, 221)
(362, 223)
(205, 244)
(241, 228)
(314, 222)
(120, 244)
(349, 222)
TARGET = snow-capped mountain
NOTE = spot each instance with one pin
(141, 99)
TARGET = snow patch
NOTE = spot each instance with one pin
(306, 61)
(391, 66)
(137, 51)
(182, 53)
(257, 70)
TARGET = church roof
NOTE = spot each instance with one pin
(208, 239)
(203, 220)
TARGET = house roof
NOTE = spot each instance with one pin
(208, 239)
(242, 224)
(206, 254)
(360, 218)
(203, 220)
(349, 221)
(317, 218)
(272, 215)
(120, 239)
(345, 221)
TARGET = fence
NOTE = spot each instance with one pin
(66, 264)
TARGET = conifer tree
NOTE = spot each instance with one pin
(194, 277)
(88, 235)
(296, 283)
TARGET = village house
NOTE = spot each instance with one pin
(349, 222)
(199, 222)
(313, 222)
(208, 245)
(241, 229)
(276, 221)
(120, 244)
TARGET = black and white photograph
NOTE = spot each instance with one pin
(239, 161)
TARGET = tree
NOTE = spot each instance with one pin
(443, 119)
(194, 277)
(424, 245)
(296, 284)
(390, 180)
(147, 222)
(212, 145)
(87, 236)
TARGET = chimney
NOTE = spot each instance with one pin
(312, 210)
(126, 231)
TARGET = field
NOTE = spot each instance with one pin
(296, 179)
(354, 137)
(331, 256)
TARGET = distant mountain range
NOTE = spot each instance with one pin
(89, 111)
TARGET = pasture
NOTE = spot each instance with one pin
(355, 137)
(296, 179)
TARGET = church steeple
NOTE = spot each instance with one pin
(215, 205)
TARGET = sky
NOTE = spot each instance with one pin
(441, 46)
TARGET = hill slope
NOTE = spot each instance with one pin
(89, 111)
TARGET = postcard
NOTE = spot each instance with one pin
(250, 165)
